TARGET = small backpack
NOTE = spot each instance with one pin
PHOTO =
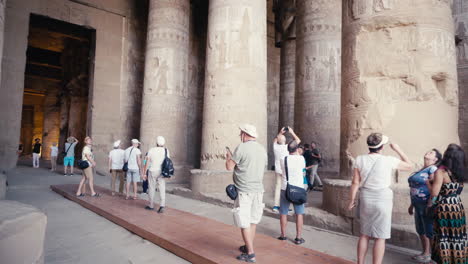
(167, 167)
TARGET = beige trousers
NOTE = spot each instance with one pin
(117, 174)
(155, 179)
(279, 178)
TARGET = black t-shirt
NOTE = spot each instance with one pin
(315, 160)
(37, 148)
(308, 157)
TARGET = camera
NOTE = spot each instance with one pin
(286, 128)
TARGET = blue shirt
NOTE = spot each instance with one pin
(417, 182)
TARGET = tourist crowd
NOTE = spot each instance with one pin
(434, 189)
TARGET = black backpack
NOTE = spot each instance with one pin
(167, 167)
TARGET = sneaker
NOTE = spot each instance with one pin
(161, 210)
(423, 258)
(247, 258)
(282, 238)
(70, 175)
(149, 208)
(298, 241)
(65, 175)
(275, 209)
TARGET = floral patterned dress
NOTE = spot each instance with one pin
(450, 239)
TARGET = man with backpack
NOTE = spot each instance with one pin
(156, 177)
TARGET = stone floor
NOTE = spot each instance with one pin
(76, 235)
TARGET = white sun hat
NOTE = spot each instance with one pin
(117, 143)
(249, 129)
(382, 142)
(135, 141)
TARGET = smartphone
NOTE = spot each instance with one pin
(228, 149)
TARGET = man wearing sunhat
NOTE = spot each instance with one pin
(134, 172)
(248, 161)
(116, 162)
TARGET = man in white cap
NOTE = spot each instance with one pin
(116, 162)
(248, 161)
(154, 162)
(133, 158)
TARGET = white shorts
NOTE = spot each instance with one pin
(248, 209)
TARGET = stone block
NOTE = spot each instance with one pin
(336, 197)
(22, 232)
(206, 182)
(3, 186)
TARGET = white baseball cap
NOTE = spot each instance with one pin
(249, 129)
(117, 143)
(135, 141)
(160, 141)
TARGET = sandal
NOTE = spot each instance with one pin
(126, 198)
(299, 241)
(80, 195)
(96, 195)
(282, 238)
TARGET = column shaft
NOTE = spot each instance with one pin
(235, 77)
(399, 76)
(165, 95)
(460, 14)
(318, 52)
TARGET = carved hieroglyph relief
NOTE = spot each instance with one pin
(318, 47)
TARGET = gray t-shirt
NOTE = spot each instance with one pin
(71, 149)
(251, 160)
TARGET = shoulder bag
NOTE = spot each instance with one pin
(167, 167)
(66, 151)
(125, 166)
(294, 194)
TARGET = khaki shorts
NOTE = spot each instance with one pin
(248, 209)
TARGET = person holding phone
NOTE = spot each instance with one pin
(280, 150)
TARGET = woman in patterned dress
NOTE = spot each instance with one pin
(450, 239)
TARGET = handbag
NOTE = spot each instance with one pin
(83, 164)
(294, 194)
(231, 191)
(125, 166)
(66, 151)
(167, 167)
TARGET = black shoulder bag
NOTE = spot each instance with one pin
(125, 166)
(294, 194)
(167, 167)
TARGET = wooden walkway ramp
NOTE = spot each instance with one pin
(195, 238)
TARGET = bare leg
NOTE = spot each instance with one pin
(299, 223)
(64, 170)
(127, 188)
(426, 242)
(379, 251)
(253, 231)
(83, 179)
(247, 237)
(283, 223)
(71, 169)
(134, 190)
(363, 244)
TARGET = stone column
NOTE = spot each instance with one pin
(318, 67)
(165, 95)
(460, 15)
(399, 75)
(235, 77)
(287, 27)
(51, 132)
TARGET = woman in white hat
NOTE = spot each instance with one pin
(372, 175)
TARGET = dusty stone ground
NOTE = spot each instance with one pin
(77, 235)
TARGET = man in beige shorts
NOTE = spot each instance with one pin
(248, 161)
